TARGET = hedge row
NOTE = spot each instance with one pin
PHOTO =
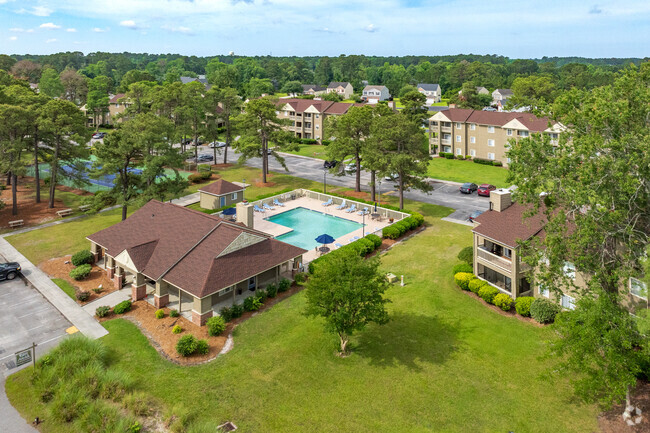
(363, 247)
(254, 302)
(396, 230)
(199, 177)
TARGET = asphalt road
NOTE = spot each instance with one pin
(443, 194)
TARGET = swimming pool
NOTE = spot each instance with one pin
(308, 224)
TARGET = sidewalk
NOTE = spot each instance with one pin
(112, 299)
(187, 200)
(83, 321)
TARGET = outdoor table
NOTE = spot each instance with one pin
(324, 250)
(375, 216)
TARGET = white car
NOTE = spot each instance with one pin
(217, 144)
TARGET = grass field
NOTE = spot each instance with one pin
(311, 150)
(467, 171)
(444, 362)
(65, 286)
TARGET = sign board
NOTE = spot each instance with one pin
(23, 357)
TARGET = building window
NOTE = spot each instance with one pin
(277, 113)
(491, 129)
(286, 113)
(523, 133)
(457, 125)
(472, 152)
(234, 196)
(458, 139)
(569, 270)
(434, 123)
(224, 291)
(491, 156)
(317, 116)
(507, 252)
(509, 132)
(568, 302)
(638, 288)
(472, 126)
(490, 142)
(459, 151)
(544, 292)
(316, 126)
(472, 140)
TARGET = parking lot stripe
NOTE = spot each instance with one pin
(35, 312)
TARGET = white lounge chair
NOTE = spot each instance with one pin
(328, 202)
(256, 208)
(337, 245)
(277, 203)
(342, 205)
(363, 212)
(354, 238)
(351, 208)
(266, 206)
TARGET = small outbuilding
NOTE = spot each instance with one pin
(220, 194)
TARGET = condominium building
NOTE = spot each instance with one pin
(308, 116)
(484, 134)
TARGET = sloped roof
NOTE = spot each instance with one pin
(313, 87)
(429, 87)
(374, 88)
(328, 107)
(335, 84)
(221, 187)
(115, 98)
(509, 226)
(497, 118)
(505, 92)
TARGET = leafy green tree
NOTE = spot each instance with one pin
(222, 75)
(401, 144)
(224, 105)
(351, 131)
(64, 131)
(332, 96)
(27, 70)
(134, 76)
(139, 97)
(257, 87)
(294, 87)
(194, 112)
(260, 126)
(6, 62)
(408, 89)
(597, 195)
(75, 86)
(50, 84)
(414, 106)
(533, 91)
(14, 130)
(469, 98)
(347, 291)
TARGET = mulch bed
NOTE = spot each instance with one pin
(159, 331)
(612, 420)
(222, 166)
(511, 313)
(57, 268)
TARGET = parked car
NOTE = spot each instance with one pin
(190, 142)
(9, 270)
(474, 215)
(330, 164)
(485, 189)
(351, 168)
(468, 188)
(393, 177)
(98, 135)
(205, 157)
(217, 144)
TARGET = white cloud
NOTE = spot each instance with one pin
(71, 30)
(13, 38)
(49, 26)
(98, 30)
(371, 28)
(49, 41)
(39, 11)
(129, 24)
(179, 29)
(17, 30)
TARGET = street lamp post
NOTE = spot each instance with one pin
(363, 224)
(324, 180)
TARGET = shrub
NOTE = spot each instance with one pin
(466, 255)
(503, 301)
(482, 161)
(186, 345)
(80, 272)
(462, 267)
(488, 293)
(202, 168)
(122, 307)
(195, 178)
(202, 347)
(476, 285)
(237, 310)
(300, 278)
(261, 295)
(468, 157)
(82, 257)
(449, 155)
(376, 240)
(160, 314)
(390, 232)
(522, 305)
(252, 303)
(366, 246)
(177, 329)
(102, 311)
(462, 279)
(272, 290)
(174, 313)
(417, 218)
(543, 310)
(497, 163)
(83, 295)
(98, 290)
(216, 325)
(284, 284)
(226, 313)
(138, 403)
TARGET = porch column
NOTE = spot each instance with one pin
(138, 287)
(110, 266)
(277, 274)
(201, 310)
(161, 295)
(97, 253)
(118, 279)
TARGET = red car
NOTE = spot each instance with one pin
(485, 189)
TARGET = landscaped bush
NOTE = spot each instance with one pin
(82, 257)
(83, 295)
(462, 267)
(102, 311)
(138, 403)
(376, 240)
(177, 329)
(202, 168)
(272, 290)
(174, 313)
(80, 272)
(261, 295)
(299, 278)
(98, 290)
(252, 303)
(122, 307)
(483, 161)
(366, 246)
(522, 305)
(503, 301)
(237, 310)
(476, 285)
(390, 232)
(466, 255)
(284, 283)
(497, 163)
(543, 310)
(160, 314)
(216, 325)
(462, 279)
(488, 293)
(195, 178)
(186, 345)
(226, 313)
(202, 347)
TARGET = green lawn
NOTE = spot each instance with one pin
(66, 287)
(467, 171)
(444, 362)
(311, 150)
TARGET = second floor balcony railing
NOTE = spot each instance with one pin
(500, 262)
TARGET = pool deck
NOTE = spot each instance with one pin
(276, 230)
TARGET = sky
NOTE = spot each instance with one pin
(513, 28)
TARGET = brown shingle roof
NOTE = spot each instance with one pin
(497, 118)
(327, 107)
(115, 98)
(221, 187)
(509, 226)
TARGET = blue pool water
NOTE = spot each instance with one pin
(308, 224)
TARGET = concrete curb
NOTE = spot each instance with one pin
(453, 220)
(76, 315)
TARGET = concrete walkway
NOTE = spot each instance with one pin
(187, 200)
(112, 299)
(11, 419)
(83, 321)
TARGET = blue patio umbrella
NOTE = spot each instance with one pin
(324, 239)
(230, 211)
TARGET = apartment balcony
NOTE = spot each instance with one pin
(486, 256)
(446, 141)
(445, 128)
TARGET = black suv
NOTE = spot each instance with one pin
(330, 164)
(9, 271)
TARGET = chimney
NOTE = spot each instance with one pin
(500, 199)
(245, 214)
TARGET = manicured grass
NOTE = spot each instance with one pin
(444, 362)
(66, 287)
(467, 171)
(311, 150)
